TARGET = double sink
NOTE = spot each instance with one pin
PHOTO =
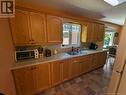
(82, 52)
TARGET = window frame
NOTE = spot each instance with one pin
(70, 36)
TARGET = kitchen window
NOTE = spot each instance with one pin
(71, 34)
(109, 39)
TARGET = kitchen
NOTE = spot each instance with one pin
(55, 52)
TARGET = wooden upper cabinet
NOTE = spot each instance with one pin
(20, 28)
(101, 32)
(38, 28)
(54, 29)
(92, 32)
(96, 32)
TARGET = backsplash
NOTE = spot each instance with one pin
(57, 48)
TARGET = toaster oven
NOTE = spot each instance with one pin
(26, 54)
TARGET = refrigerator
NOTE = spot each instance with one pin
(117, 84)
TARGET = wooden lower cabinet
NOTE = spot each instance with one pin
(55, 73)
(34, 79)
(24, 81)
(86, 64)
(60, 71)
(65, 70)
(42, 77)
(102, 58)
(99, 59)
(74, 67)
(31, 80)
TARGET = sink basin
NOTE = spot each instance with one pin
(77, 53)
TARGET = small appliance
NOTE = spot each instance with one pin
(93, 46)
(26, 54)
(47, 52)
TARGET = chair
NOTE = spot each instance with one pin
(112, 54)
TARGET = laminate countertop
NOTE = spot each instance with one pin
(57, 57)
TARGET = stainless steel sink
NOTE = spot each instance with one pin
(77, 53)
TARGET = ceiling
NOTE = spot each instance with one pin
(97, 9)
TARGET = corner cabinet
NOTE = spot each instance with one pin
(54, 29)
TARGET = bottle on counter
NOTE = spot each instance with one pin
(40, 50)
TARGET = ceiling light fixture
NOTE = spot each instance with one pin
(115, 2)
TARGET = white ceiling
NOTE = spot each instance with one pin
(97, 9)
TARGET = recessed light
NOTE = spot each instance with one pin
(115, 2)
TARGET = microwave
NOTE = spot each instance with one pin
(26, 54)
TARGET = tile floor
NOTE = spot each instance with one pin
(92, 83)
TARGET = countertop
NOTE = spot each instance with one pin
(57, 57)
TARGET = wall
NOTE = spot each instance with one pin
(6, 59)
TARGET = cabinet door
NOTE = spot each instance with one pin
(55, 73)
(74, 67)
(38, 31)
(65, 69)
(101, 32)
(102, 59)
(20, 28)
(95, 63)
(96, 30)
(90, 32)
(54, 29)
(85, 65)
(24, 81)
(42, 75)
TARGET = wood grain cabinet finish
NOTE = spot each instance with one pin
(90, 32)
(56, 73)
(34, 79)
(86, 64)
(93, 32)
(28, 28)
(99, 59)
(42, 77)
(101, 32)
(75, 67)
(38, 28)
(31, 80)
(20, 28)
(65, 67)
(24, 81)
(54, 29)
(102, 58)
